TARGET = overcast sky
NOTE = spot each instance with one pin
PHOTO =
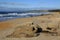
(30, 4)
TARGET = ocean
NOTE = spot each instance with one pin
(8, 16)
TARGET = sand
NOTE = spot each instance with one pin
(51, 20)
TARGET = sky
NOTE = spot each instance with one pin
(29, 4)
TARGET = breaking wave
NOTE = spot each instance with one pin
(19, 15)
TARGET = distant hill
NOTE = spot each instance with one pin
(56, 10)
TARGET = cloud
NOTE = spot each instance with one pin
(13, 3)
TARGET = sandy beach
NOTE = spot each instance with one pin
(50, 20)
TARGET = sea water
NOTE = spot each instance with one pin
(8, 16)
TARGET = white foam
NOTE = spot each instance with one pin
(12, 13)
(21, 14)
(1, 15)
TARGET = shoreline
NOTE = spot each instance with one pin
(17, 21)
